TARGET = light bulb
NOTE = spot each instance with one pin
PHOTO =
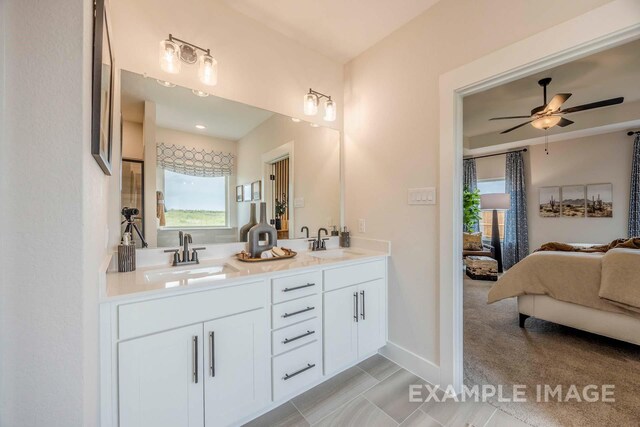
(208, 70)
(310, 104)
(330, 111)
(169, 59)
(546, 122)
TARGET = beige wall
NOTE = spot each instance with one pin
(391, 140)
(257, 66)
(316, 168)
(591, 160)
(132, 142)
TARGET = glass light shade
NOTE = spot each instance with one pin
(169, 57)
(330, 111)
(497, 201)
(310, 104)
(546, 122)
(208, 70)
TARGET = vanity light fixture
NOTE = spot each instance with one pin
(200, 93)
(311, 102)
(165, 83)
(200, 127)
(174, 51)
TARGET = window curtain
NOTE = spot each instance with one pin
(634, 199)
(516, 239)
(194, 162)
(470, 181)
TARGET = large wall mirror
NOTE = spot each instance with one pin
(197, 163)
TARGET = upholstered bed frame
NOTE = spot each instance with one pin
(612, 325)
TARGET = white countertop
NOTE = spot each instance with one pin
(123, 286)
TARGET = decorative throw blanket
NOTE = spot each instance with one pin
(633, 243)
(605, 280)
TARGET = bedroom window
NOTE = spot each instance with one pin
(193, 201)
(487, 186)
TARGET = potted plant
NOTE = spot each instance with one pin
(281, 209)
(471, 209)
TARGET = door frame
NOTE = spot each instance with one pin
(605, 27)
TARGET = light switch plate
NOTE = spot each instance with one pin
(422, 196)
(362, 226)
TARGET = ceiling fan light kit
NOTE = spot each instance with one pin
(550, 114)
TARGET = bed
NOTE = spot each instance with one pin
(595, 292)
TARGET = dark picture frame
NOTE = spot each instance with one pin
(102, 90)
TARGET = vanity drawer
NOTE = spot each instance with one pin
(290, 312)
(147, 317)
(295, 336)
(294, 370)
(291, 287)
(336, 278)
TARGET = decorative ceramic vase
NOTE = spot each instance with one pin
(261, 231)
(244, 231)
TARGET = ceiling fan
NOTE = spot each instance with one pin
(549, 114)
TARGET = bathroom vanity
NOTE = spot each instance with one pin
(221, 342)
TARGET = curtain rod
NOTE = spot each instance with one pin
(496, 154)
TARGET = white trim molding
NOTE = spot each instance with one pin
(605, 27)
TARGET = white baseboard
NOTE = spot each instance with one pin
(413, 363)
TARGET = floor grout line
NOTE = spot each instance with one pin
(383, 411)
(300, 412)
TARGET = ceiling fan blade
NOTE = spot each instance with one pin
(516, 127)
(510, 117)
(556, 102)
(564, 122)
(599, 104)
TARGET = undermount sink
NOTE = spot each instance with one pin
(190, 273)
(335, 253)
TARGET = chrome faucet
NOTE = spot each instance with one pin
(188, 257)
(305, 228)
(318, 244)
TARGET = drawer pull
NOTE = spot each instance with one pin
(309, 366)
(298, 287)
(288, 340)
(298, 312)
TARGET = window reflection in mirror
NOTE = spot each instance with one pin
(197, 153)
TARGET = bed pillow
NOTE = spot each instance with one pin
(472, 241)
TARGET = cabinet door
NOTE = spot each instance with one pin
(237, 380)
(340, 328)
(371, 330)
(161, 379)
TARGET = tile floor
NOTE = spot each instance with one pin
(375, 393)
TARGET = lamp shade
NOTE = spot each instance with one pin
(498, 201)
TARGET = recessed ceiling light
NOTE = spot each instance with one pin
(165, 83)
(200, 127)
(314, 125)
(295, 119)
(200, 93)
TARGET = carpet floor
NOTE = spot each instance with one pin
(498, 352)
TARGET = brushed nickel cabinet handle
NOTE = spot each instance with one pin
(195, 359)
(362, 314)
(306, 334)
(212, 354)
(298, 287)
(298, 312)
(289, 376)
(355, 306)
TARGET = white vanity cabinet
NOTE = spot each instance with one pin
(354, 314)
(160, 379)
(223, 354)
